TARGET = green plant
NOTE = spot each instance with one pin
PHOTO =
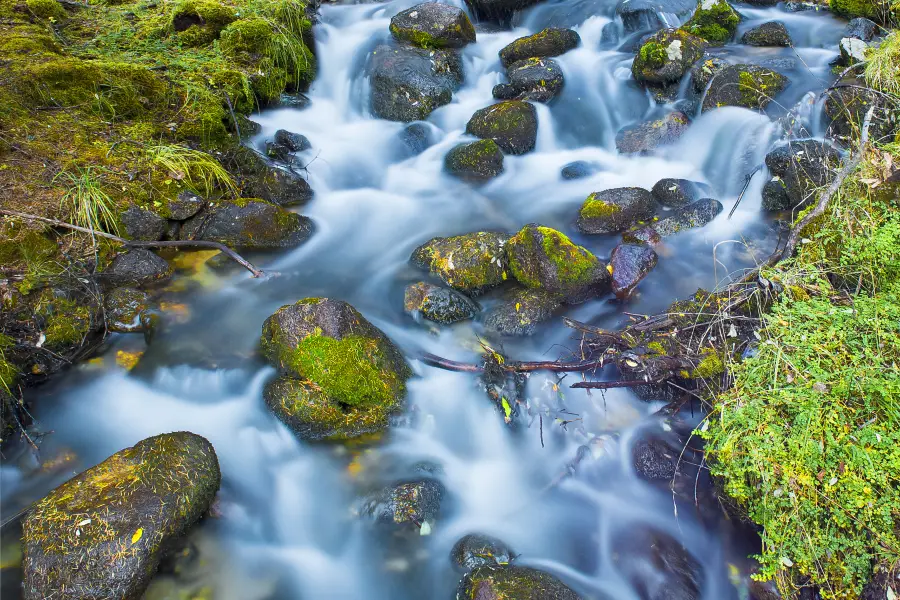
(197, 169)
(85, 201)
(882, 66)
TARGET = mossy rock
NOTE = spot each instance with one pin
(247, 36)
(513, 583)
(650, 135)
(521, 310)
(666, 56)
(123, 308)
(694, 215)
(471, 263)
(406, 505)
(438, 304)
(537, 79)
(46, 9)
(747, 86)
(249, 223)
(102, 533)
(199, 22)
(549, 42)
(433, 25)
(511, 124)
(714, 20)
(545, 259)
(629, 264)
(475, 162)
(478, 550)
(772, 33)
(615, 210)
(846, 105)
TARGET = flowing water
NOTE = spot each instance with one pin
(287, 527)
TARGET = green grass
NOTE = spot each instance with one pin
(197, 169)
(85, 201)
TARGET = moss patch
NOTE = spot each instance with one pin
(714, 21)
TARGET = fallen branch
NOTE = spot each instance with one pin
(514, 367)
(607, 385)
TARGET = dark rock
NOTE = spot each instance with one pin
(799, 168)
(409, 83)
(185, 205)
(173, 230)
(520, 311)
(519, 583)
(696, 214)
(143, 225)
(544, 44)
(248, 223)
(511, 124)
(703, 72)
(676, 193)
(846, 105)
(630, 263)
(861, 28)
(438, 304)
(475, 162)
(748, 86)
(477, 550)
(773, 33)
(538, 79)
(642, 235)
(278, 152)
(297, 100)
(615, 210)
(713, 20)
(102, 533)
(294, 142)
(136, 267)
(666, 56)
(123, 307)
(853, 50)
(407, 505)
(260, 179)
(579, 169)
(416, 138)
(651, 15)
(658, 566)
(498, 11)
(647, 136)
(471, 263)
(654, 460)
(433, 25)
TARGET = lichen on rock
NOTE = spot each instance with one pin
(471, 263)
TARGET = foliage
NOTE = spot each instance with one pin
(199, 170)
(882, 66)
(85, 200)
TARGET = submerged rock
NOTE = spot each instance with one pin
(666, 56)
(773, 33)
(143, 225)
(520, 311)
(543, 44)
(696, 214)
(102, 533)
(471, 263)
(658, 566)
(123, 308)
(478, 550)
(136, 267)
(416, 138)
(799, 169)
(511, 124)
(647, 136)
(438, 304)
(579, 169)
(475, 162)
(249, 223)
(514, 583)
(654, 460)
(294, 142)
(714, 20)
(615, 210)
(703, 72)
(642, 235)
(538, 79)
(747, 86)
(676, 193)
(406, 505)
(433, 25)
(629, 263)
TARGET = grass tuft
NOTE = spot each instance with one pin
(198, 170)
(85, 201)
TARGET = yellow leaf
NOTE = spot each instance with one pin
(518, 306)
(609, 268)
(137, 535)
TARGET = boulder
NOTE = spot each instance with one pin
(471, 263)
(409, 505)
(520, 311)
(136, 267)
(260, 179)
(409, 83)
(143, 225)
(657, 565)
(666, 56)
(511, 124)
(579, 169)
(498, 11)
(651, 15)
(773, 33)
(185, 205)
(714, 20)
(615, 210)
(538, 79)
(703, 72)
(642, 235)
(649, 135)
(853, 50)
(629, 263)
(433, 25)
(278, 153)
(545, 259)
(547, 43)
(416, 138)
(675, 193)
(799, 168)
(654, 460)
(846, 105)
(102, 533)
(248, 223)
(478, 550)
(513, 582)
(438, 304)
(861, 28)
(475, 162)
(748, 86)
(123, 308)
(696, 214)
(294, 142)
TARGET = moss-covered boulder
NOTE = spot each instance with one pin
(339, 375)
(521, 310)
(537, 79)
(675, 193)
(629, 264)
(877, 10)
(123, 308)
(545, 259)
(714, 20)
(615, 210)
(136, 267)
(102, 533)
(748, 86)
(249, 223)
(478, 550)
(475, 162)
(46, 9)
(438, 304)
(773, 33)
(433, 25)
(666, 56)
(511, 124)
(199, 22)
(411, 505)
(694, 215)
(650, 135)
(702, 72)
(471, 263)
(799, 169)
(549, 42)
(513, 583)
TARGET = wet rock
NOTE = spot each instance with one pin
(696, 214)
(294, 142)
(259, 179)
(642, 235)
(545, 259)
(629, 264)
(143, 225)
(703, 72)
(538, 79)
(248, 223)
(278, 152)
(651, 15)
(298, 101)
(409, 83)
(861, 28)
(513, 582)
(102, 533)
(798, 168)
(676, 193)
(511, 124)
(498, 11)
(654, 460)
(773, 33)
(471, 263)
(748, 86)
(852, 50)
(615, 210)
(136, 267)
(647, 136)
(666, 56)
(406, 505)
(714, 20)
(846, 105)
(478, 550)
(520, 312)
(438, 304)
(658, 566)
(339, 375)
(543, 44)
(185, 205)
(579, 169)
(433, 25)
(475, 162)
(123, 307)
(416, 138)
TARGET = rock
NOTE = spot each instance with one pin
(185, 205)
(514, 583)
(438, 304)
(433, 25)
(545, 259)
(629, 264)
(248, 223)
(478, 550)
(498, 11)
(538, 79)
(407, 505)
(615, 210)
(647, 136)
(579, 169)
(853, 50)
(798, 168)
(666, 56)
(520, 311)
(511, 124)
(278, 152)
(846, 105)
(676, 193)
(416, 138)
(748, 86)
(298, 101)
(294, 142)
(861, 28)
(658, 566)
(543, 44)
(642, 235)
(143, 225)
(136, 267)
(409, 83)
(471, 263)
(653, 460)
(102, 533)
(260, 179)
(773, 33)
(123, 307)
(475, 162)
(703, 72)
(696, 214)
(714, 21)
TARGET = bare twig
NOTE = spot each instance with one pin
(606, 385)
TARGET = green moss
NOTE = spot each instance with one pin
(46, 9)
(593, 208)
(878, 11)
(250, 36)
(710, 365)
(65, 322)
(417, 37)
(653, 55)
(208, 19)
(572, 265)
(757, 85)
(715, 24)
(575, 265)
